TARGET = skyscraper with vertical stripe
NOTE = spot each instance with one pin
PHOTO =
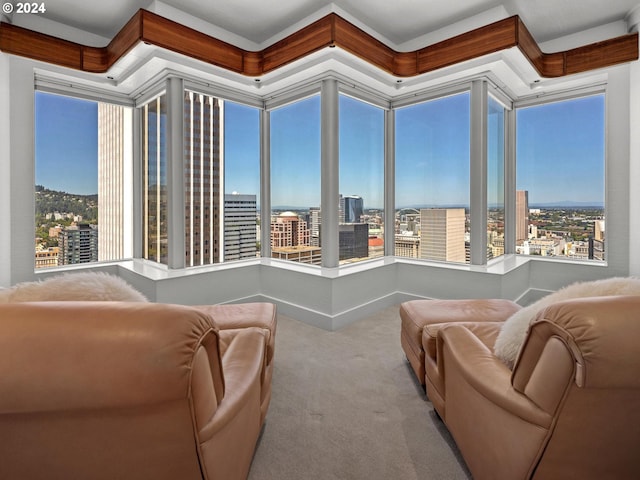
(203, 178)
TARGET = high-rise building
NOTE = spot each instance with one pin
(290, 240)
(78, 244)
(598, 230)
(203, 171)
(288, 230)
(114, 179)
(353, 240)
(353, 209)
(442, 234)
(407, 245)
(315, 221)
(46, 256)
(522, 215)
(239, 226)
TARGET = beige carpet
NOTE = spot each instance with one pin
(346, 405)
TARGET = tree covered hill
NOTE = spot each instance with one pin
(52, 201)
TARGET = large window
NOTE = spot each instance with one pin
(361, 212)
(495, 178)
(83, 181)
(560, 179)
(432, 179)
(295, 182)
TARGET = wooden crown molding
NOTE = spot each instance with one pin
(329, 31)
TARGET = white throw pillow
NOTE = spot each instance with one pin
(96, 286)
(514, 330)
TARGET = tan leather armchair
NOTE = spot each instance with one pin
(126, 391)
(569, 410)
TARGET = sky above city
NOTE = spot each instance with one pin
(66, 144)
(560, 151)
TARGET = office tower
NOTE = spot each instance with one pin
(78, 244)
(315, 221)
(353, 208)
(288, 230)
(290, 240)
(203, 169)
(46, 256)
(353, 240)
(522, 215)
(442, 234)
(114, 180)
(341, 209)
(239, 226)
(596, 251)
(598, 230)
(407, 246)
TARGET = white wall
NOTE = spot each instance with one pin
(18, 178)
(634, 169)
(5, 170)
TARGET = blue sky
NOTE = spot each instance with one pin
(560, 148)
(432, 153)
(66, 144)
(242, 149)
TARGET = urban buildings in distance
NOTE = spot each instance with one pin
(69, 231)
(552, 231)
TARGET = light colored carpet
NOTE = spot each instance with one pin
(346, 405)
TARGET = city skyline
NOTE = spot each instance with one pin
(66, 141)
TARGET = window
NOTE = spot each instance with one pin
(83, 180)
(295, 182)
(560, 179)
(361, 212)
(154, 134)
(241, 181)
(495, 178)
(432, 179)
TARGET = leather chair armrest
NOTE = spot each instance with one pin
(602, 333)
(242, 366)
(485, 373)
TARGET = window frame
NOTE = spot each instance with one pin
(44, 83)
(556, 97)
(266, 104)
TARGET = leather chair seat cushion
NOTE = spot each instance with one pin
(245, 315)
(417, 314)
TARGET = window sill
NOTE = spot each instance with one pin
(157, 272)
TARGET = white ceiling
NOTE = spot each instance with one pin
(399, 21)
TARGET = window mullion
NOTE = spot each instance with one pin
(330, 168)
(478, 173)
(389, 182)
(175, 174)
(510, 183)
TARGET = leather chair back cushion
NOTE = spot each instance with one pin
(76, 355)
(102, 390)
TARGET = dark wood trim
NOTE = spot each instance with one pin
(476, 43)
(329, 31)
(38, 46)
(305, 41)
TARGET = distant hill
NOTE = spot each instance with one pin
(51, 201)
